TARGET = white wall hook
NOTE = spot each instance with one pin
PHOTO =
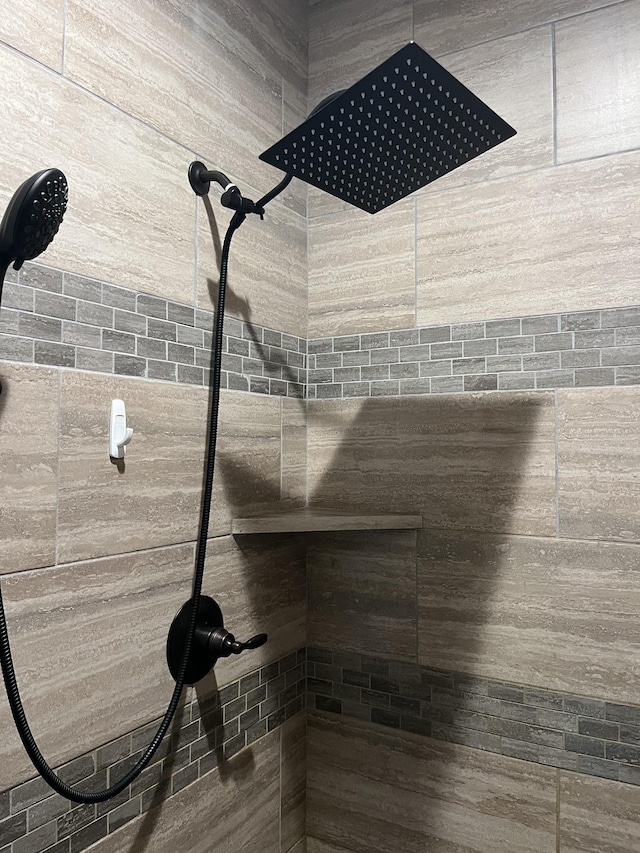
(119, 434)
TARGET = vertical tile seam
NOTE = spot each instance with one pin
(281, 447)
(554, 95)
(64, 37)
(558, 810)
(58, 453)
(280, 789)
(196, 258)
(415, 261)
(556, 464)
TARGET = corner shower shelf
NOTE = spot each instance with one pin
(324, 520)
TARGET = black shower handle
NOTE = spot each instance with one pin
(222, 643)
(211, 640)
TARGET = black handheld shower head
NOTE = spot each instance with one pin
(32, 218)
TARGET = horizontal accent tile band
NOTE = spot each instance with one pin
(34, 818)
(579, 733)
(582, 349)
(59, 319)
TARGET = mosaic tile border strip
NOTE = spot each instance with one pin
(63, 320)
(587, 348)
(589, 736)
(33, 819)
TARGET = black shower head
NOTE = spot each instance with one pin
(402, 126)
(33, 217)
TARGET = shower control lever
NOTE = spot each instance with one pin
(211, 640)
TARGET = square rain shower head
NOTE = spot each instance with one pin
(400, 127)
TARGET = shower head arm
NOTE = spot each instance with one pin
(200, 179)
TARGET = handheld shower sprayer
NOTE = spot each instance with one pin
(32, 219)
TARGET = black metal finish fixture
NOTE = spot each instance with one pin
(397, 129)
(200, 179)
(211, 640)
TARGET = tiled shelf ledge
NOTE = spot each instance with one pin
(311, 520)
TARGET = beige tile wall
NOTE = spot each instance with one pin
(28, 466)
(97, 558)
(537, 225)
(474, 461)
(597, 815)
(232, 808)
(36, 28)
(551, 612)
(370, 788)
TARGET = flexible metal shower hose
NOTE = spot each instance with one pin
(6, 661)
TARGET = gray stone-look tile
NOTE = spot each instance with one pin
(579, 321)
(82, 288)
(181, 354)
(557, 341)
(541, 361)
(185, 314)
(129, 365)
(118, 341)
(12, 828)
(44, 278)
(374, 372)
(620, 317)
(81, 334)
(385, 356)
(580, 358)
(627, 375)
(389, 388)
(57, 355)
(555, 379)
(152, 306)
(481, 382)
(446, 384)
(17, 296)
(448, 350)
(151, 348)
(16, 349)
(594, 376)
(485, 346)
(434, 334)
(421, 352)
(116, 297)
(467, 331)
(594, 338)
(509, 346)
(127, 321)
(503, 328)
(469, 365)
(350, 359)
(404, 338)
(436, 368)
(42, 328)
(161, 370)
(613, 356)
(54, 305)
(539, 325)
(94, 314)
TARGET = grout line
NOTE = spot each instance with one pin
(280, 787)
(556, 466)
(64, 36)
(554, 96)
(196, 268)
(415, 261)
(58, 434)
(558, 810)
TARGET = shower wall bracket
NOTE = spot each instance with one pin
(211, 640)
